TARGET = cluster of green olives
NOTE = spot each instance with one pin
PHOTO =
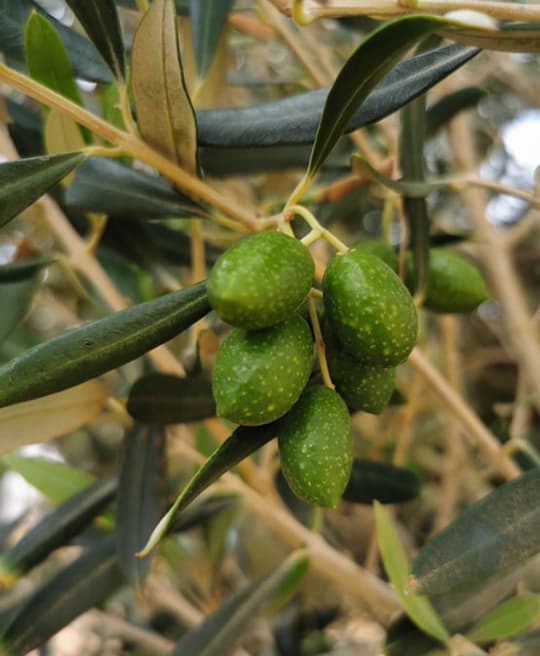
(263, 366)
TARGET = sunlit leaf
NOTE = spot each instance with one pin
(244, 441)
(61, 134)
(100, 21)
(510, 618)
(51, 416)
(492, 535)
(395, 562)
(165, 116)
(55, 529)
(24, 181)
(207, 19)
(141, 492)
(91, 350)
(218, 634)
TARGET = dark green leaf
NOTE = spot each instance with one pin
(364, 69)
(56, 528)
(219, 632)
(444, 110)
(24, 181)
(13, 16)
(489, 537)
(100, 346)
(163, 399)
(510, 618)
(380, 481)
(24, 269)
(46, 58)
(294, 120)
(16, 298)
(404, 638)
(244, 441)
(100, 21)
(106, 186)
(201, 511)
(56, 480)
(87, 63)
(165, 117)
(141, 492)
(207, 20)
(395, 562)
(83, 584)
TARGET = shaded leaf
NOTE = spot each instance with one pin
(106, 186)
(493, 534)
(52, 416)
(24, 181)
(219, 632)
(244, 441)
(381, 481)
(207, 19)
(16, 299)
(294, 120)
(56, 480)
(100, 346)
(510, 618)
(164, 399)
(202, 510)
(140, 497)
(46, 57)
(56, 528)
(444, 110)
(83, 584)
(404, 638)
(100, 21)
(395, 562)
(24, 269)
(87, 63)
(165, 116)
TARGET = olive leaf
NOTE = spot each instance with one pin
(444, 110)
(24, 269)
(141, 493)
(100, 346)
(381, 481)
(16, 297)
(395, 562)
(207, 18)
(243, 441)
(56, 528)
(165, 116)
(218, 634)
(100, 21)
(22, 182)
(492, 535)
(511, 617)
(165, 399)
(52, 416)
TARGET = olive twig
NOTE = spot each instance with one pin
(316, 226)
(319, 343)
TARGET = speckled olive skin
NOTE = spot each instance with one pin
(259, 375)
(369, 309)
(454, 284)
(315, 446)
(362, 387)
(260, 280)
(381, 249)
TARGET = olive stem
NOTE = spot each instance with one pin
(312, 236)
(316, 226)
(319, 344)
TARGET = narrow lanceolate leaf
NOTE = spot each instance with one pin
(61, 134)
(93, 349)
(510, 618)
(207, 20)
(58, 481)
(46, 57)
(218, 634)
(16, 299)
(164, 113)
(141, 493)
(52, 416)
(24, 269)
(24, 181)
(492, 535)
(244, 441)
(164, 399)
(83, 584)
(441, 112)
(55, 529)
(395, 562)
(106, 186)
(379, 481)
(100, 21)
